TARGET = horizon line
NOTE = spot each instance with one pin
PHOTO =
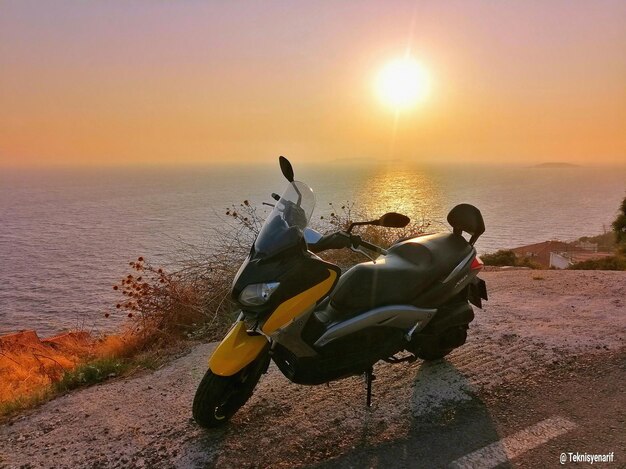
(357, 161)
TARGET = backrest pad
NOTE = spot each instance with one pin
(466, 217)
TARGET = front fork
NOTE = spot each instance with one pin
(237, 350)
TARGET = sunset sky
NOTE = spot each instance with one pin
(164, 82)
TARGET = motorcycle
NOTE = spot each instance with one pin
(319, 325)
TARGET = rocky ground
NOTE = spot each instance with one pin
(549, 346)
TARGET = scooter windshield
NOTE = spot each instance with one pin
(284, 227)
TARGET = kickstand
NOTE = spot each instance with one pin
(369, 377)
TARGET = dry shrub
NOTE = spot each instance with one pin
(506, 257)
(617, 262)
(194, 300)
(164, 306)
(342, 216)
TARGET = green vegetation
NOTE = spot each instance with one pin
(506, 257)
(617, 262)
(619, 228)
(91, 373)
(8, 408)
(500, 258)
(605, 241)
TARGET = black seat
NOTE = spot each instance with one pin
(400, 276)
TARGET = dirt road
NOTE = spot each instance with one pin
(542, 374)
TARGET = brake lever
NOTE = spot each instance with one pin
(361, 251)
(355, 241)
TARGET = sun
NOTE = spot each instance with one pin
(403, 83)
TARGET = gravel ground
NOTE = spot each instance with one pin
(536, 323)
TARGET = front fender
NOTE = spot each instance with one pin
(237, 350)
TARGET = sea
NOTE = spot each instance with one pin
(67, 234)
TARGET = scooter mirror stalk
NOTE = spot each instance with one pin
(286, 168)
(388, 220)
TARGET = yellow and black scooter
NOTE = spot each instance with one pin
(318, 325)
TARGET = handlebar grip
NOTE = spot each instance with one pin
(340, 239)
(335, 240)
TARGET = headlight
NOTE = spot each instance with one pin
(257, 294)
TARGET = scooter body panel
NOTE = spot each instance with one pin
(298, 304)
(404, 317)
(237, 350)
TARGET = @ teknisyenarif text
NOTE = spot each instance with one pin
(586, 457)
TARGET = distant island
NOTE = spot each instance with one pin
(556, 165)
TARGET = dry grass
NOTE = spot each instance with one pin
(28, 366)
(33, 370)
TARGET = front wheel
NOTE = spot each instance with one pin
(219, 397)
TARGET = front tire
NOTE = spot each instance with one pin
(219, 397)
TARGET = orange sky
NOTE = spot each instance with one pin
(200, 82)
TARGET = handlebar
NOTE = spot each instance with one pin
(341, 239)
(356, 242)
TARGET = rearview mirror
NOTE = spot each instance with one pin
(286, 168)
(388, 220)
(393, 220)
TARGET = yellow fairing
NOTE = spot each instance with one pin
(297, 305)
(237, 350)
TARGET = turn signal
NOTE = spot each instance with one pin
(477, 264)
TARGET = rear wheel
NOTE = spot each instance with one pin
(219, 397)
(438, 346)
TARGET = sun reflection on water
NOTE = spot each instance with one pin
(416, 192)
